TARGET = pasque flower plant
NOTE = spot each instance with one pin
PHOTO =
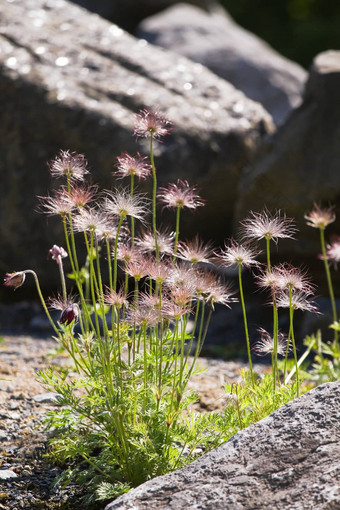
(125, 411)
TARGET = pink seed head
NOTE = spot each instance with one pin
(132, 165)
(265, 225)
(320, 218)
(151, 124)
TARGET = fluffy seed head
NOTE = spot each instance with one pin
(132, 165)
(264, 225)
(293, 278)
(91, 220)
(320, 218)
(266, 344)
(181, 276)
(144, 316)
(195, 251)
(58, 205)
(127, 254)
(115, 299)
(151, 124)
(174, 311)
(298, 300)
(333, 251)
(81, 195)
(237, 254)
(269, 279)
(122, 204)
(180, 195)
(69, 164)
(137, 267)
(165, 241)
(218, 292)
(158, 271)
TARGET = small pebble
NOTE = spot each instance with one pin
(6, 474)
(47, 398)
(14, 416)
(3, 436)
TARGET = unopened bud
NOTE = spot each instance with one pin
(57, 251)
(15, 279)
(69, 314)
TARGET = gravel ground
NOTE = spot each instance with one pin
(26, 479)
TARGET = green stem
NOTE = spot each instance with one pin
(301, 360)
(291, 315)
(245, 322)
(76, 275)
(92, 281)
(268, 254)
(62, 277)
(329, 282)
(154, 192)
(178, 214)
(108, 254)
(275, 340)
(115, 261)
(132, 218)
(42, 298)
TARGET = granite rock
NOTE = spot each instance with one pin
(71, 80)
(300, 164)
(216, 41)
(291, 459)
(128, 13)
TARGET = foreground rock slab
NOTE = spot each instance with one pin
(291, 459)
(71, 80)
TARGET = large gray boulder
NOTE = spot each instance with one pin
(128, 13)
(216, 41)
(300, 164)
(72, 80)
(291, 459)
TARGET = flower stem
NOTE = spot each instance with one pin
(291, 328)
(245, 323)
(132, 218)
(154, 192)
(329, 282)
(42, 298)
(178, 214)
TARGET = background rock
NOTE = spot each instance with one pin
(300, 164)
(216, 41)
(128, 13)
(71, 80)
(288, 460)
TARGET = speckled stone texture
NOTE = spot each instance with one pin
(71, 80)
(289, 460)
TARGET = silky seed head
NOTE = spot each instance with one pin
(264, 225)
(320, 218)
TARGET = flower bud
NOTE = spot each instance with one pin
(69, 314)
(57, 251)
(15, 279)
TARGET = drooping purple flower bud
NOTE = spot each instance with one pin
(15, 279)
(69, 314)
